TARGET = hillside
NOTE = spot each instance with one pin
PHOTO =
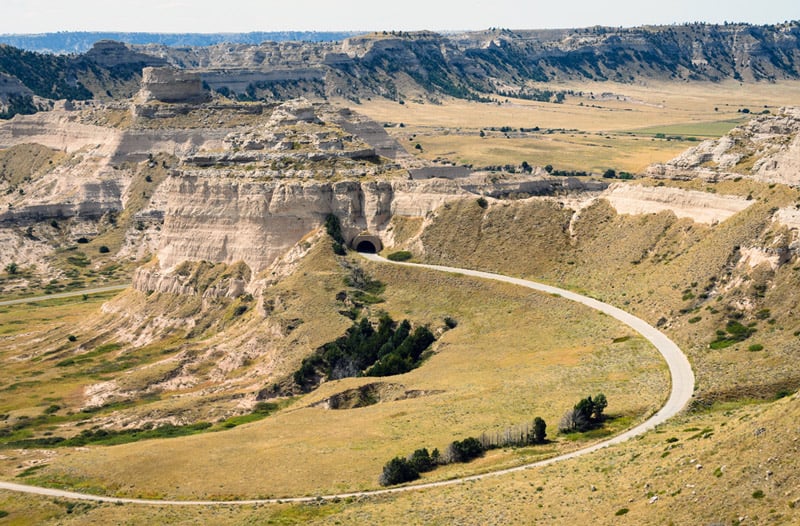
(397, 65)
(235, 221)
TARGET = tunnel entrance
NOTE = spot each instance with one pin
(367, 247)
(367, 243)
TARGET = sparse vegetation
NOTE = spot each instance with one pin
(400, 255)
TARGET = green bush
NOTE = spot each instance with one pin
(465, 450)
(401, 255)
(422, 461)
(389, 350)
(397, 471)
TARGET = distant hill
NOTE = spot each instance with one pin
(396, 65)
(82, 41)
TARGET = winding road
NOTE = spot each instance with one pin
(680, 394)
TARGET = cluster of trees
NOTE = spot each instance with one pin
(390, 349)
(585, 415)
(334, 229)
(400, 470)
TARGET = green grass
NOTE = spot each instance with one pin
(710, 129)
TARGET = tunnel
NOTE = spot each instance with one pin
(368, 243)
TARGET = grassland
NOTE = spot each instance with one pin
(604, 125)
(506, 362)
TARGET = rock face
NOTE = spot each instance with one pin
(216, 219)
(172, 86)
(701, 207)
(767, 149)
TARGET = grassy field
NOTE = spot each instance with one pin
(683, 473)
(604, 125)
(506, 362)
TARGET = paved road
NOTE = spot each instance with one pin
(34, 299)
(681, 393)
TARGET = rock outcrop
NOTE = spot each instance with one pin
(172, 86)
(700, 207)
(767, 148)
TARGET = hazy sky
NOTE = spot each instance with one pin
(205, 16)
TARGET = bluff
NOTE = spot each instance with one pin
(396, 65)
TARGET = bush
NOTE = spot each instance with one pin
(397, 471)
(464, 450)
(421, 460)
(539, 430)
(401, 255)
(585, 415)
(72, 338)
(334, 228)
(483, 203)
(103, 249)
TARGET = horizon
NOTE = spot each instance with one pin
(421, 30)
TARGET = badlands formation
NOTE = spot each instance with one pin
(176, 183)
(247, 181)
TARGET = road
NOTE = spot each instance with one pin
(34, 299)
(681, 393)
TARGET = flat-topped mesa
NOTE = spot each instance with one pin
(172, 86)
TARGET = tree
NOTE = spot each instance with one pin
(397, 471)
(421, 460)
(539, 430)
(527, 168)
(548, 168)
(464, 450)
(12, 268)
(610, 174)
(600, 404)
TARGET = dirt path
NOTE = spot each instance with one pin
(679, 368)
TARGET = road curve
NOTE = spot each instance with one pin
(680, 394)
(34, 299)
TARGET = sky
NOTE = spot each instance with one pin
(216, 16)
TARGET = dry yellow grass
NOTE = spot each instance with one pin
(616, 122)
(506, 362)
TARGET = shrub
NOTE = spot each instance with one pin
(585, 415)
(621, 511)
(539, 430)
(483, 203)
(103, 249)
(755, 347)
(450, 323)
(397, 471)
(401, 255)
(12, 268)
(72, 338)
(334, 228)
(421, 460)
(758, 494)
(464, 450)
